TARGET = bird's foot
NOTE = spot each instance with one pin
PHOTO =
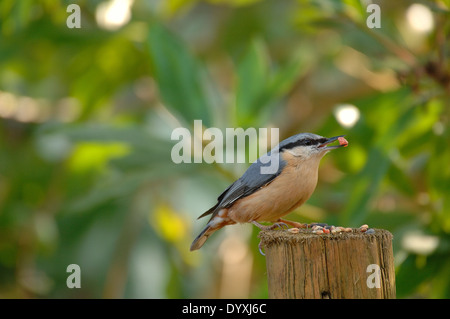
(280, 225)
(293, 224)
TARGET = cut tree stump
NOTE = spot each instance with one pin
(343, 265)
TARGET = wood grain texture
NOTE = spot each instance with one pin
(306, 265)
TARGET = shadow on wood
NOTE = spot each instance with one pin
(342, 265)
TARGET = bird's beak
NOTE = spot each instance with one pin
(342, 143)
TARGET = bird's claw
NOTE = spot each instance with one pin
(279, 225)
(260, 249)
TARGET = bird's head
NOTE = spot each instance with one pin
(307, 145)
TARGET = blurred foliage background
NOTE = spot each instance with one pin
(86, 116)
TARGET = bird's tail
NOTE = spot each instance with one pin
(203, 236)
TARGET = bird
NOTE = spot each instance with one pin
(258, 196)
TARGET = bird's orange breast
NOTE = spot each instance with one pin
(286, 192)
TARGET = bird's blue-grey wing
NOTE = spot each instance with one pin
(251, 181)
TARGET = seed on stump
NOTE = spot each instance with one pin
(318, 224)
(363, 228)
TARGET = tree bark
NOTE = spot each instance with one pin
(343, 265)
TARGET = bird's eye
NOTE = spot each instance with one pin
(308, 142)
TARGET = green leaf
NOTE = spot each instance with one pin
(252, 72)
(182, 81)
(367, 182)
(260, 85)
(416, 271)
(401, 181)
(365, 187)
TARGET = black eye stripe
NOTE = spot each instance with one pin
(310, 142)
(303, 142)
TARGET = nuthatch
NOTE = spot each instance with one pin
(256, 197)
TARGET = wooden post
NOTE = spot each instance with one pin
(343, 265)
